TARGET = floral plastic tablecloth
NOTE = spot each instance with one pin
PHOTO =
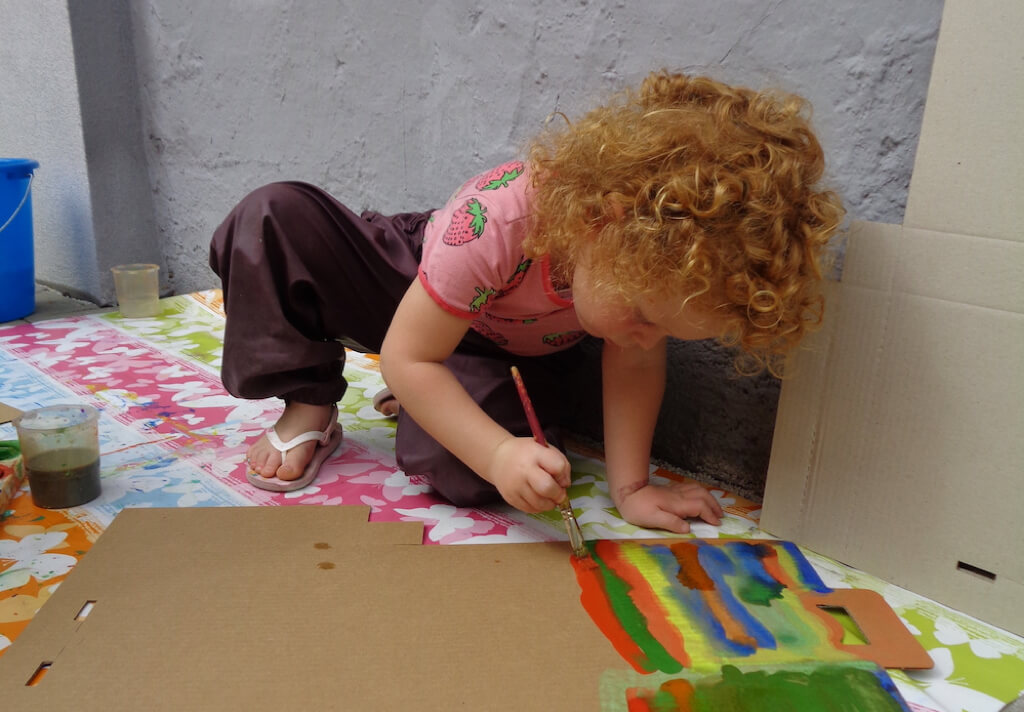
(172, 437)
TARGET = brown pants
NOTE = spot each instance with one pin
(302, 274)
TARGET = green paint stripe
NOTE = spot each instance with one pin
(634, 623)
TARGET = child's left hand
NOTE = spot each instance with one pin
(667, 507)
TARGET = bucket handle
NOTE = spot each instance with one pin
(17, 210)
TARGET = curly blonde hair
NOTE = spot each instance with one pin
(699, 190)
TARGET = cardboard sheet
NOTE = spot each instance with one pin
(908, 407)
(271, 608)
(262, 608)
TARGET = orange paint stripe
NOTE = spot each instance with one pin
(681, 691)
(597, 605)
(770, 562)
(733, 630)
(692, 574)
(647, 601)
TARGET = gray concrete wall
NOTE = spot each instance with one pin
(69, 98)
(123, 217)
(391, 103)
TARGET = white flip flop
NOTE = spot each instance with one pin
(327, 442)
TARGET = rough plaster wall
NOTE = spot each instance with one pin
(392, 104)
(40, 119)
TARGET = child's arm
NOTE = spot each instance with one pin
(634, 383)
(421, 336)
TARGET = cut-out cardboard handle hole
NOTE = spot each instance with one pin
(85, 610)
(976, 570)
(852, 633)
(889, 643)
(44, 667)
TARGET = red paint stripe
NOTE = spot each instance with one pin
(636, 704)
(596, 604)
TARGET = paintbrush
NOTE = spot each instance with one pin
(579, 548)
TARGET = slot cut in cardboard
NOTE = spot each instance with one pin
(85, 610)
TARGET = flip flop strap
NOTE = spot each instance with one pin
(322, 436)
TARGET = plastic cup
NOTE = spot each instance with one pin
(138, 289)
(60, 450)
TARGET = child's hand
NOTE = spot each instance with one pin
(529, 476)
(667, 507)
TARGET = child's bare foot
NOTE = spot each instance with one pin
(386, 403)
(298, 418)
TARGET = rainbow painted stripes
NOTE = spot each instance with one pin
(670, 605)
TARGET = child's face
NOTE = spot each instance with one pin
(642, 324)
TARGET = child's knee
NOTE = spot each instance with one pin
(418, 453)
(275, 200)
(274, 219)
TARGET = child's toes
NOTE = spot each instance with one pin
(264, 464)
(295, 462)
(286, 472)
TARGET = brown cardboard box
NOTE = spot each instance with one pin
(899, 446)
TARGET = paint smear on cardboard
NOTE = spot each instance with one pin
(851, 687)
(670, 605)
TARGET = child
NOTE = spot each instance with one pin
(684, 208)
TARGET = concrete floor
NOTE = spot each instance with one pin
(51, 304)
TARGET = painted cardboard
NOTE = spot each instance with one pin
(308, 607)
(700, 604)
(898, 446)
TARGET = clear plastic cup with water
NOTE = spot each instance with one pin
(60, 451)
(138, 289)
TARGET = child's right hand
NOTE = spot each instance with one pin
(529, 476)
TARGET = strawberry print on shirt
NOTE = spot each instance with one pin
(467, 223)
(473, 266)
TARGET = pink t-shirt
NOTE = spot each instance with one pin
(474, 267)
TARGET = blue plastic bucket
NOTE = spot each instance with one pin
(17, 265)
